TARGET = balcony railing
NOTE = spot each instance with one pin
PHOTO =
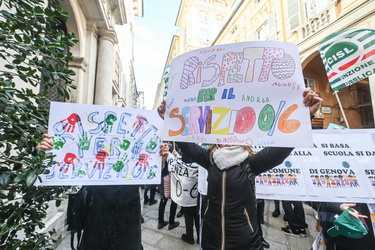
(314, 25)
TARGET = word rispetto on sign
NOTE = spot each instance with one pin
(246, 93)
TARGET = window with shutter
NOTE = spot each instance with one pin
(263, 32)
(294, 14)
(272, 27)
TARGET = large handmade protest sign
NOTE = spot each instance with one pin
(340, 167)
(348, 56)
(103, 145)
(242, 94)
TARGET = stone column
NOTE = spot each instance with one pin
(91, 55)
(78, 64)
(105, 67)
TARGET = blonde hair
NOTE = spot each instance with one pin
(214, 147)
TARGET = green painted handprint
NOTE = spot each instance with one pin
(84, 142)
(125, 144)
(118, 166)
(81, 173)
(58, 142)
(151, 173)
(108, 123)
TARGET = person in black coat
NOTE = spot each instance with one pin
(113, 220)
(230, 220)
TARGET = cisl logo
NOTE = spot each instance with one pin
(348, 56)
(342, 55)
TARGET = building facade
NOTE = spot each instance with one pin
(306, 23)
(103, 63)
(103, 57)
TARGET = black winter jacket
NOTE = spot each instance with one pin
(113, 221)
(230, 219)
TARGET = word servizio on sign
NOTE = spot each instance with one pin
(199, 119)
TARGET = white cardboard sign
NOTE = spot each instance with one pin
(242, 94)
(103, 145)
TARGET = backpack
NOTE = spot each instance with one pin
(78, 204)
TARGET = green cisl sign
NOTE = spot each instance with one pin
(348, 56)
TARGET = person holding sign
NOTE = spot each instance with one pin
(165, 194)
(184, 192)
(113, 221)
(230, 219)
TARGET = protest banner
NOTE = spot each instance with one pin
(242, 94)
(103, 145)
(340, 167)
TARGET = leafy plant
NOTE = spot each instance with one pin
(33, 61)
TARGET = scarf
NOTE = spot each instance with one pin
(228, 157)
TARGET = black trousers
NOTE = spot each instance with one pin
(191, 219)
(295, 213)
(172, 211)
(260, 214)
(152, 189)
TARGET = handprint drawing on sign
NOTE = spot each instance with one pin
(139, 125)
(152, 145)
(100, 157)
(141, 163)
(125, 144)
(80, 173)
(58, 141)
(136, 149)
(107, 124)
(70, 123)
(69, 161)
(151, 174)
(84, 142)
(119, 165)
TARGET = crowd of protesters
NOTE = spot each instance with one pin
(232, 214)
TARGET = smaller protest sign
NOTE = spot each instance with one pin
(103, 145)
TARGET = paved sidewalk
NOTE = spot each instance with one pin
(165, 239)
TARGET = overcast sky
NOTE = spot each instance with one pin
(152, 37)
